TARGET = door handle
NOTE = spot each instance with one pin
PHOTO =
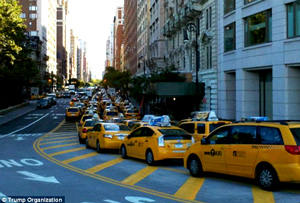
(146, 141)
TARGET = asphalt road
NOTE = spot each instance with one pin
(40, 156)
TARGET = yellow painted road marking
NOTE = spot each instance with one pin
(67, 151)
(58, 146)
(140, 175)
(45, 143)
(190, 188)
(79, 157)
(261, 196)
(57, 138)
(100, 167)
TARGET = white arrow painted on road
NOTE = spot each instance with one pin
(36, 177)
(20, 138)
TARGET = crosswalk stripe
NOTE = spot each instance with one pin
(100, 167)
(45, 143)
(58, 146)
(190, 188)
(140, 175)
(67, 151)
(261, 196)
(79, 157)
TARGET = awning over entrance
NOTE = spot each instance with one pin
(178, 89)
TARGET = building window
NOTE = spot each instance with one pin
(208, 53)
(33, 16)
(23, 15)
(249, 1)
(33, 8)
(293, 18)
(258, 28)
(33, 33)
(229, 37)
(229, 5)
(208, 18)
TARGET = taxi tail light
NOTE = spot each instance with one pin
(295, 150)
(161, 141)
(108, 136)
(84, 130)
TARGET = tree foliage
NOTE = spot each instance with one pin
(115, 78)
(17, 69)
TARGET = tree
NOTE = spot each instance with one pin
(17, 69)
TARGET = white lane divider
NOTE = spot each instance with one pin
(25, 126)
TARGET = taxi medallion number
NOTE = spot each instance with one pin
(178, 146)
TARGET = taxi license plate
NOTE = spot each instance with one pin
(73, 114)
(178, 145)
(121, 137)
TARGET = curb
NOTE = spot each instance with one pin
(12, 108)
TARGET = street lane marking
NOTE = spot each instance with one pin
(71, 140)
(100, 167)
(140, 175)
(58, 146)
(80, 157)
(67, 151)
(262, 196)
(190, 188)
(57, 138)
(25, 126)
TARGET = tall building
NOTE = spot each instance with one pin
(191, 35)
(108, 53)
(259, 59)
(73, 54)
(62, 44)
(40, 19)
(130, 35)
(157, 40)
(143, 20)
(118, 36)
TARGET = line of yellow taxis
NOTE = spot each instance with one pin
(268, 151)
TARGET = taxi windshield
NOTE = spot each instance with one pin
(124, 128)
(172, 134)
(296, 133)
(111, 127)
(112, 113)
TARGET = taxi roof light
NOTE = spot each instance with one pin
(160, 121)
(204, 116)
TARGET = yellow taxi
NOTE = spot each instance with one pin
(200, 129)
(74, 102)
(106, 136)
(268, 151)
(108, 115)
(138, 124)
(132, 114)
(73, 113)
(83, 129)
(129, 123)
(154, 143)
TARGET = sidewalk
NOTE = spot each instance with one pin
(13, 112)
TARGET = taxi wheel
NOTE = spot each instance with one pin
(81, 141)
(98, 148)
(149, 158)
(87, 143)
(195, 166)
(123, 152)
(267, 178)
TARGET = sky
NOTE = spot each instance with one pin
(91, 20)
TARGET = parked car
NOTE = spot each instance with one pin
(263, 150)
(106, 136)
(154, 143)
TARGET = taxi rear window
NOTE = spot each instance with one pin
(73, 110)
(296, 134)
(111, 113)
(86, 117)
(175, 134)
(90, 123)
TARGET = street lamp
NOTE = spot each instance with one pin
(144, 60)
(192, 27)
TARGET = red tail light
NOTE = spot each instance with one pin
(84, 130)
(295, 150)
(104, 117)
